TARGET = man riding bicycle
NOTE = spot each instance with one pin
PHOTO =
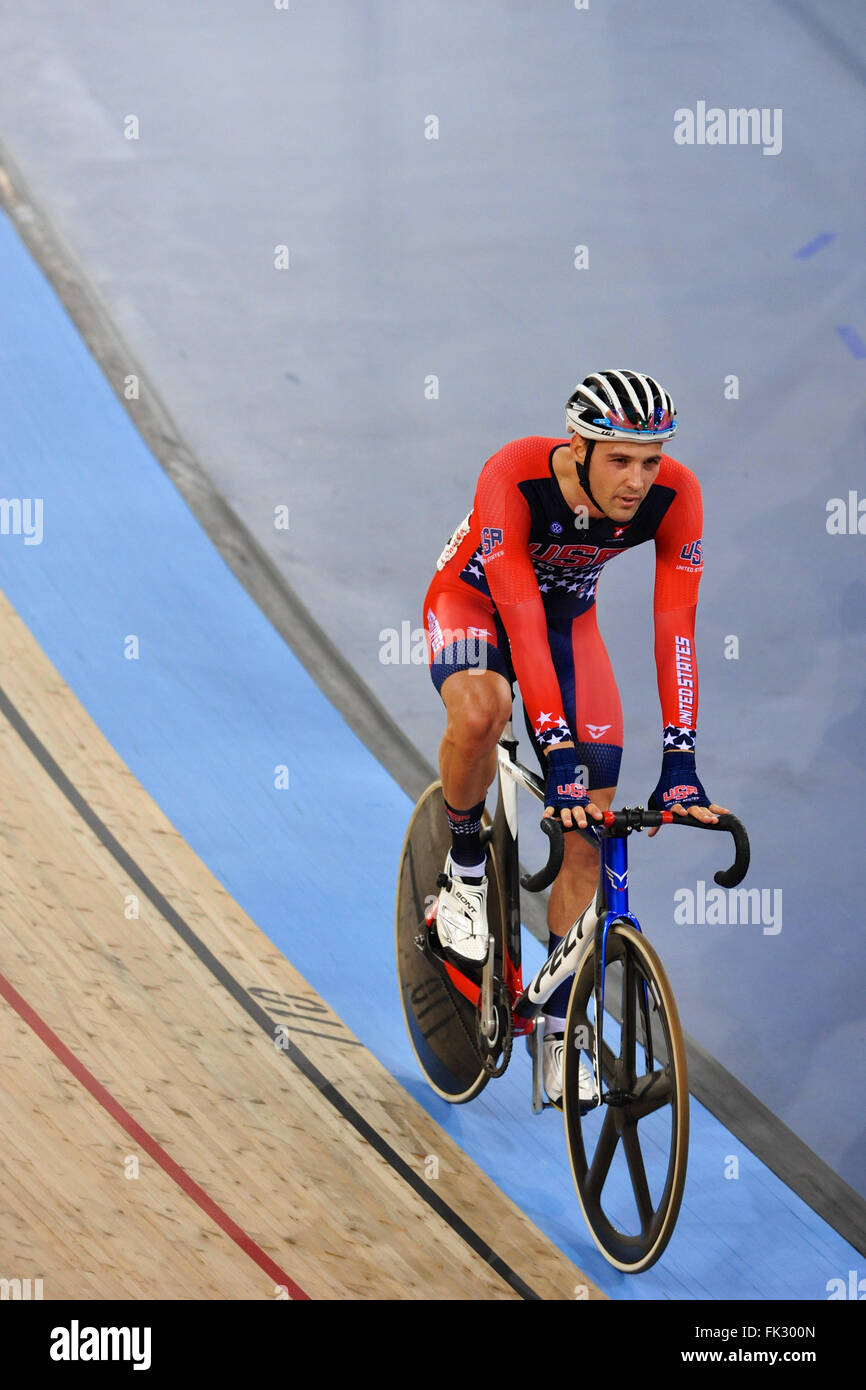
(513, 599)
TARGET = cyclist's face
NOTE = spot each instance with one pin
(621, 475)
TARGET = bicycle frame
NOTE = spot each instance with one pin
(469, 1042)
(609, 906)
(611, 902)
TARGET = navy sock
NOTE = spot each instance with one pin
(557, 1005)
(465, 826)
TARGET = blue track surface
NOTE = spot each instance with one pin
(212, 707)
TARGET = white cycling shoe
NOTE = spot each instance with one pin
(553, 1048)
(461, 917)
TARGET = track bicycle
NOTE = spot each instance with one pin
(628, 1149)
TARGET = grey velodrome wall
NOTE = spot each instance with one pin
(453, 256)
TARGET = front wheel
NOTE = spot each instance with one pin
(629, 1153)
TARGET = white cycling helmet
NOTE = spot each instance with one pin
(618, 405)
(621, 405)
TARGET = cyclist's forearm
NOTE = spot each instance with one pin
(677, 675)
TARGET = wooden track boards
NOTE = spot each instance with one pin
(148, 1015)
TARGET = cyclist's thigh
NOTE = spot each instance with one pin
(467, 650)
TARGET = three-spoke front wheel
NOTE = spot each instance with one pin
(628, 1153)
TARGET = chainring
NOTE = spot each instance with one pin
(505, 1034)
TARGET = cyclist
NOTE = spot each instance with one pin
(513, 599)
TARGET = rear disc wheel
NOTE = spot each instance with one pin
(438, 999)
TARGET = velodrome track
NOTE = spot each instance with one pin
(184, 1117)
(169, 899)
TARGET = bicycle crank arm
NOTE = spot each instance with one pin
(489, 1021)
(535, 1043)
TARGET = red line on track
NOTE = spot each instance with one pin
(141, 1136)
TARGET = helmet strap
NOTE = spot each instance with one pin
(583, 472)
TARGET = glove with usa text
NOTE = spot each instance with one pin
(563, 787)
(678, 783)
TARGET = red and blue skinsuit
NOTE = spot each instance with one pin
(514, 592)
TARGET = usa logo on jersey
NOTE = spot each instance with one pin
(692, 553)
(491, 537)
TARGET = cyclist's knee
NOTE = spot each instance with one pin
(603, 797)
(578, 851)
(479, 706)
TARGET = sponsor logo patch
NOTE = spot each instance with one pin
(453, 545)
(596, 730)
(437, 641)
